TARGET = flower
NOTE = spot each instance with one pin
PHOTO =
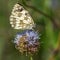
(27, 42)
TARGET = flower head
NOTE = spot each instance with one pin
(27, 42)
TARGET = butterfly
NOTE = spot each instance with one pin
(20, 18)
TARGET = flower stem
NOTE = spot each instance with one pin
(31, 58)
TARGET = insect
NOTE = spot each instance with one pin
(20, 18)
(27, 41)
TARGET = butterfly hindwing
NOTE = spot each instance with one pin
(20, 18)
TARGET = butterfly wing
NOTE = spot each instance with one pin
(20, 18)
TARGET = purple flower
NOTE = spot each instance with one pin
(27, 41)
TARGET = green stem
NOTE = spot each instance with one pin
(31, 58)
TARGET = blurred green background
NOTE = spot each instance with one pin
(47, 24)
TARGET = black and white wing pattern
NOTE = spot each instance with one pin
(20, 18)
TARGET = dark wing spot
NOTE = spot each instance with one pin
(20, 9)
(26, 13)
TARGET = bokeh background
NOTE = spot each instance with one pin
(46, 15)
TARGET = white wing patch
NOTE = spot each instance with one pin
(20, 18)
